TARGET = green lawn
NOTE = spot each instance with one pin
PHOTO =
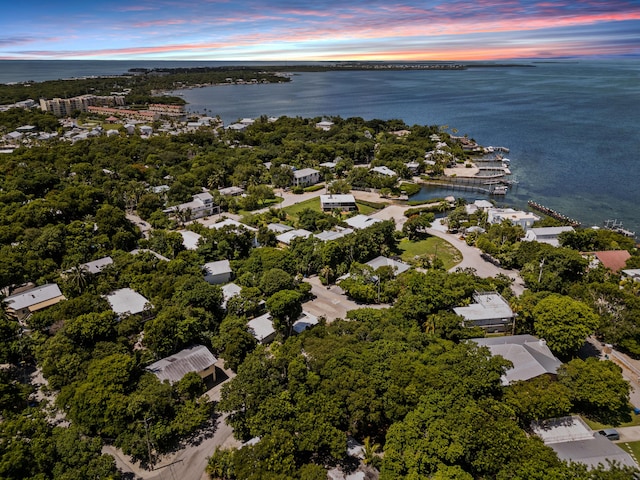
(633, 422)
(314, 204)
(431, 246)
(632, 447)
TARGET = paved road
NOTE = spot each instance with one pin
(188, 463)
(331, 302)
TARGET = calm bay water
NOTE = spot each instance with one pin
(573, 127)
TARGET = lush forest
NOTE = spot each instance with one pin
(404, 380)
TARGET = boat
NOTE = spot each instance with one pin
(499, 190)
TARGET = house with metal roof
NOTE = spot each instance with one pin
(127, 301)
(397, 266)
(217, 272)
(262, 328)
(287, 237)
(22, 305)
(490, 312)
(305, 177)
(197, 359)
(529, 355)
(549, 235)
(359, 222)
(96, 266)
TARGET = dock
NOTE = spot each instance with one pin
(553, 214)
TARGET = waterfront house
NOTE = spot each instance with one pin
(197, 359)
(529, 355)
(306, 177)
(549, 235)
(23, 304)
(515, 217)
(490, 312)
(217, 272)
(384, 170)
(127, 301)
(343, 202)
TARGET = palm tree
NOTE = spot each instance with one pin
(370, 451)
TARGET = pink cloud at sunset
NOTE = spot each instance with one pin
(291, 30)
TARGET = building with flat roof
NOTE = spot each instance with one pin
(490, 312)
(197, 359)
(342, 202)
(22, 305)
(515, 217)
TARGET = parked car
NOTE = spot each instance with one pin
(610, 433)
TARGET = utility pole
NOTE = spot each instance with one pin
(146, 429)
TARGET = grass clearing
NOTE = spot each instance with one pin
(632, 447)
(633, 422)
(430, 247)
(314, 204)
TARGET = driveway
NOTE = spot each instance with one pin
(331, 302)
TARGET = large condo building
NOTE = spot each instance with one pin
(62, 107)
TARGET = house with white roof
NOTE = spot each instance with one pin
(279, 227)
(197, 359)
(201, 206)
(127, 301)
(515, 217)
(96, 266)
(229, 291)
(325, 125)
(490, 312)
(230, 222)
(548, 235)
(262, 328)
(359, 222)
(632, 274)
(190, 239)
(384, 170)
(287, 237)
(305, 177)
(305, 321)
(231, 191)
(217, 272)
(23, 304)
(342, 202)
(381, 261)
(529, 355)
(328, 235)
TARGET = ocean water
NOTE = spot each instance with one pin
(573, 127)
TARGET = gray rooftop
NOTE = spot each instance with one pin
(573, 440)
(361, 221)
(33, 296)
(173, 368)
(126, 301)
(488, 306)
(262, 327)
(529, 355)
(96, 266)
(218, 268)
(398, 267)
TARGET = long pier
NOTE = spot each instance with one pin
(553, 214)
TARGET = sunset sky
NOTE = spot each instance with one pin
(322, 30)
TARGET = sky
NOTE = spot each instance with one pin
(293, 30)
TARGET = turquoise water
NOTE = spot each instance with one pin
(573, 127)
